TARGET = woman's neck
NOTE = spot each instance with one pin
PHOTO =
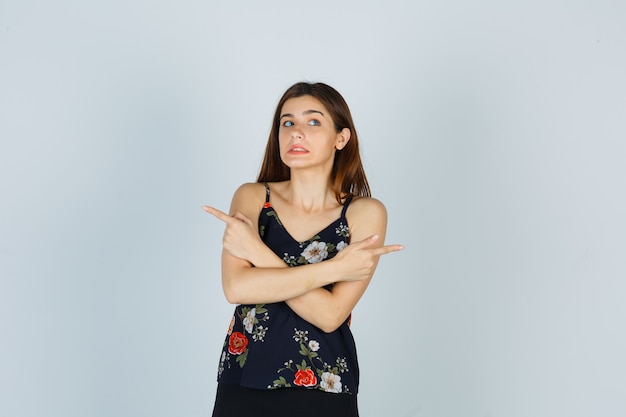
(310, 192)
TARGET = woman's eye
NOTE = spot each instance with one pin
(288, 123)
(314, 122)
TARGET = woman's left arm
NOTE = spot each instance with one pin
(329, 309)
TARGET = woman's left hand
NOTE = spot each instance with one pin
(241, 238)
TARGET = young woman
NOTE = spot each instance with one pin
(299, 249)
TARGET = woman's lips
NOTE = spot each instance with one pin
(297, 150)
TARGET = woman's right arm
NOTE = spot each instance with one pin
(242, 281)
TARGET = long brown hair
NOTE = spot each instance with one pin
(347, 176)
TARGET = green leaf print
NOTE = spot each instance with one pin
(273, 214)
(281, 382)
(241, 359)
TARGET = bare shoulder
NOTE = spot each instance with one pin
(366, 216)
(251, 189)
(248, 198)
(368, 207)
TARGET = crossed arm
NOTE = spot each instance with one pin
(253, 274)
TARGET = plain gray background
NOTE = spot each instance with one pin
(494, 132)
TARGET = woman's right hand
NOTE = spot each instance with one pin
(357, 261)
(240, 236)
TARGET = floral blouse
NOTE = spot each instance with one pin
(268, 346)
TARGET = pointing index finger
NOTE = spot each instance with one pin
(383, 250)
(218, 213)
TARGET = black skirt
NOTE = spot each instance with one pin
(237, 401)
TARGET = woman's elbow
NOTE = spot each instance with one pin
(230, 294)
(231, 299)
(329, 329)
(331, 324)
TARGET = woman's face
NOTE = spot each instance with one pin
(307, 135)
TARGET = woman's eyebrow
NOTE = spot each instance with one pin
(306, 113)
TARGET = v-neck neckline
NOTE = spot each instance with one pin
(268, 206)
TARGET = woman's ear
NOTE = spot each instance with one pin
(342, 138)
